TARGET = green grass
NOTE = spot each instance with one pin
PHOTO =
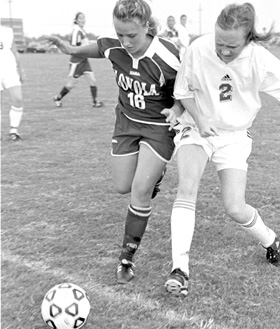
(62, 220)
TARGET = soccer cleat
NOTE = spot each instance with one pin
(273, 253)
(156, 188)
(177, 283)
(15, 137)
(125, 271)
(57, 101)
(97, 104)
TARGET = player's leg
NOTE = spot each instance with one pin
(16, 111)
(233, 183)
(191, 162)
(231, 161)
(148, 170)
(150, 148)
(93, 88)
(123, 171)
(70, 83)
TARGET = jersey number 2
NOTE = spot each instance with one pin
(225, 92)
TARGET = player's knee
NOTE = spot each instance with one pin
(142, 192)
(71, 83)
(122, 189)
(17, 102)
(70, 86)
(233, 210)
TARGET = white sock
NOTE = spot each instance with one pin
(182, 229)
(15, 117)
(256, 228)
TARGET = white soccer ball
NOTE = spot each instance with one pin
(65, 306)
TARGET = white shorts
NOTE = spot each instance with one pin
(10, 79)
(230, 149)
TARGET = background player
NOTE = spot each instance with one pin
(145, 68)
(11, 77)
(184, 37)
(171, 32)
(79, 66)
(219, 84)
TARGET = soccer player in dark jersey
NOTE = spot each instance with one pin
(79, 66)
(145, 68)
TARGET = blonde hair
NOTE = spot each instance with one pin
(235, 16)
(127, 10)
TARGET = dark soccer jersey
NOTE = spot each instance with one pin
(146, 83)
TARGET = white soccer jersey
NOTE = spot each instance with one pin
(7, 58)
(227, 94)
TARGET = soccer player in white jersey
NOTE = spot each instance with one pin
(218, 84)
(79, 66)
(183, 33)
(145, 69)
(11, 77)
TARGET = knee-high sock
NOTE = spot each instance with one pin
(64, 91)
(256, 228)
(93, 90)
(135, 226)
(15, 117)
(182, 229)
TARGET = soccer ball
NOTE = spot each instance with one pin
(65, 306)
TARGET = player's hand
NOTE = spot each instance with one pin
(207, 129)
(59, 43)
(171, 117)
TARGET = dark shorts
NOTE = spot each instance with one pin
(78, 69)
(128, 135)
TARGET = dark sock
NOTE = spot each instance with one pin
(64, 91)
(135, 226)
(93, 90)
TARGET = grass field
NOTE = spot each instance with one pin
(63, 222)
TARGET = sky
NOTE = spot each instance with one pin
(56, 16)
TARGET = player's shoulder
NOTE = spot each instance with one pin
(164, 53)
(257, 51)
(200, 47)
(203, 41)
(258, 48)
(169, 45)
(108, 41)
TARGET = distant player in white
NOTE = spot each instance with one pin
(11, 77)
(218, 84)
(184, 37)
(79, 66)
(171, 33)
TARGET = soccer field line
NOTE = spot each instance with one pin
(94, 288)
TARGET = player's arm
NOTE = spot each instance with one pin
(173, 113)
(16, 54)
(185, 93)
(205, 128)
(88, 51)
